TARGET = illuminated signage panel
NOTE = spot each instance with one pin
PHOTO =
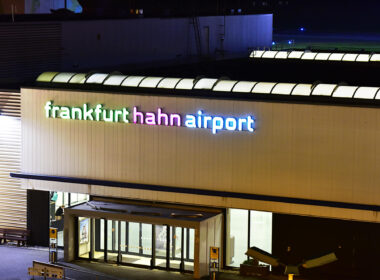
(200, 119)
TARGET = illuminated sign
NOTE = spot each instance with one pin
(198, 120)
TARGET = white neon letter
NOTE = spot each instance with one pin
(125, 115)
(110, 116)
(217, 124)
(190, 121)
(65, 113)
(48, 108)
(230, 124)
(241, 121)
(76, 111)
(251, 124)
(98, 111)
(87, 114)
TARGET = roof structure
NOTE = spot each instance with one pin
(211, 84)
(319, 56)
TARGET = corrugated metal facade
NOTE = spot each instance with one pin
(303, 151)
(27, 49)
(12, 197)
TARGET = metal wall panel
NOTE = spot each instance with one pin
(28, 49)
(303, 151)
(12, 196)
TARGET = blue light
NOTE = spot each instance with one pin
(273, 43)
(290, 42)
(302, 29)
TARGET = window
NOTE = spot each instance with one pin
(238, 236)
(247, 228)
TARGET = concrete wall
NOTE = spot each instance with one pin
(210, 236)
(319, 152)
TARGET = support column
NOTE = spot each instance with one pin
(69, 236)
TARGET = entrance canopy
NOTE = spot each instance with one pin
(141, 213)
(137, 233)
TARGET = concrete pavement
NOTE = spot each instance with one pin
(14, 263)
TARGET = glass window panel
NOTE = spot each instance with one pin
(238, 228)
(282, 55)
(191, 241)
(257, 54)
(114, 80)
(60, 201)
(309, 55)
(79, 78)
(83, 197)
(178, 242)
(244, 86)
(161, 242)
(99, 239)
(324, 89)
(116, 235)
(350, 57)
(185, 244)
(224, 86)
(123, 235)
(185, 84)
(63, 77)
(295, 54)
(132, 81)
(322, 56)
(269, 54)
(261, 230)
(374, 57)
(336, 56)
(302, 89)
(344, 91)
(146, 239)
(102, 234)
(366, 92)
(134, 237)
(263, 87)
(363, 58)
(73, 198)
(150, 82)
(205, 83)
(283, 88)
(97, 78)
(46, 76)
(66, 199)
(168, 83)
(110, 229)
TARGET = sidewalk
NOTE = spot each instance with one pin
(14, 263)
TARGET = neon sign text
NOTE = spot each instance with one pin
(199, 120)
(97, 113)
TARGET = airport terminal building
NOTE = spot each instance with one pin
(167, 167)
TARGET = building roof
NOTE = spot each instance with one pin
(253, 88)
(318, 56)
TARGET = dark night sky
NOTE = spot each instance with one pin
(331, 16)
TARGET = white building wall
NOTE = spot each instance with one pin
(318, 152)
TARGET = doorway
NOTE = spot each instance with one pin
(136, 244)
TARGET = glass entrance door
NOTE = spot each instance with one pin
(138, 244)
(112, 241)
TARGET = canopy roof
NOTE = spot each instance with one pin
(211, 84)
(319, 56)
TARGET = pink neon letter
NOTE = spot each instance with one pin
(137, 114)
(161, 115)
(175, 117)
